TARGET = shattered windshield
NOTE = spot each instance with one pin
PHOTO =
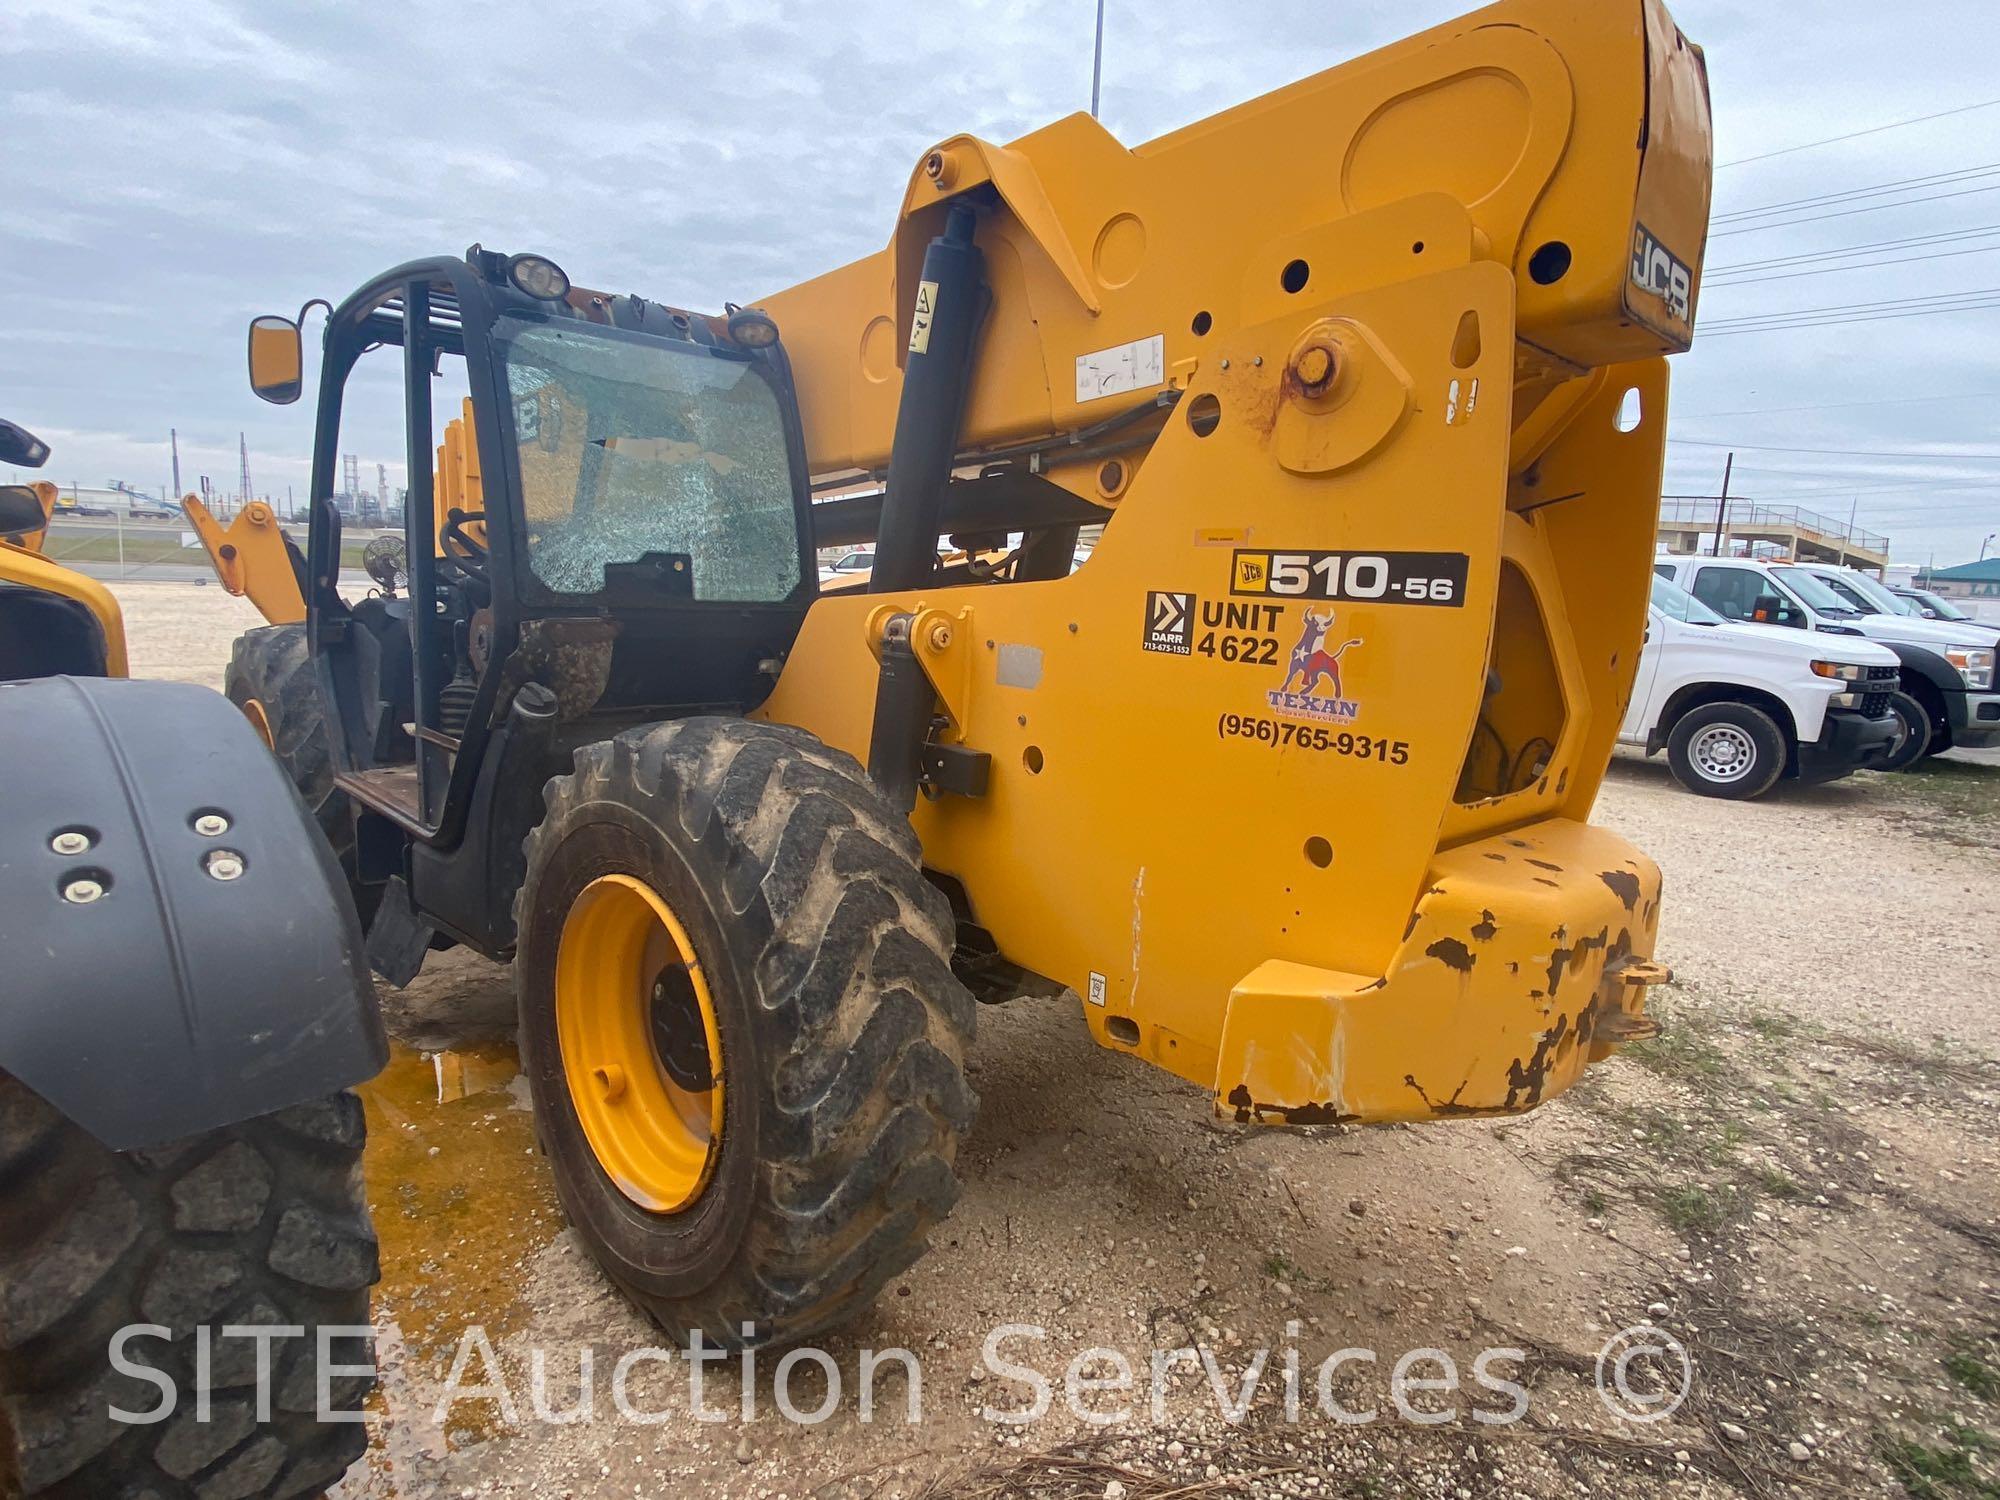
(629, 447)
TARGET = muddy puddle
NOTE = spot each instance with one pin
(462, 1200)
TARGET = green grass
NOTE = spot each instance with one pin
(1693, 1210)
(1776, 1183)
(1938, 1473)
(1972, 1372)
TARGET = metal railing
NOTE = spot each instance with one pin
(1698, 511)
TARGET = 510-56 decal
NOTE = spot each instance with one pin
(1432, 578)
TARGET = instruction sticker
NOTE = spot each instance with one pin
(1169, 623)
(1096, 988)
(1121, 368)
(920, 318)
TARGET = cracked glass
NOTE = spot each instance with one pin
(632, 447)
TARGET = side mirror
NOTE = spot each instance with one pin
(20, 510)
(277, 360)
(1771, 610)
(22, 447)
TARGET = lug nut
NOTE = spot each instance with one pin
(223, 864)
(211, 825)
(69, 841)
(82, 892)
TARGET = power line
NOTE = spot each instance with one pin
(1848, 195)
(1773, 411)
(1837, 452)
(1854, 135)
(1974, 300)
(1774, 261)
(1848, 213)
(1859, 265)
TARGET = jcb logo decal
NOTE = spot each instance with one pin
(1656, 269)
(1169, 623)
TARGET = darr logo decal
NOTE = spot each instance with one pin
(1312, 667)
(1169, 623)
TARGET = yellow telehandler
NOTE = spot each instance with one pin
(180, 1147)
(1287, 780)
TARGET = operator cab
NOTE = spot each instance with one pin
(604, 495)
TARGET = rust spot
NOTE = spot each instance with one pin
(1519, 844)
(1452, 952)
(1449, 1106)
(1512, 967)
(1484, 929)
(1542, 864)
(1624, 885)
(1561, 958)
(1544, 880)
(1416, 916)
(1501, 858)
(1527, 1079)
(1248, 1109)
(1312, 1114)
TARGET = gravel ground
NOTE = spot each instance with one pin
(1796, 1181)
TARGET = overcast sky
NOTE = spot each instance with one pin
(171, 169)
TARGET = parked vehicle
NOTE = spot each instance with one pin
(849, 565)
(1739, 707)
(1933, 606)
(1946, 695)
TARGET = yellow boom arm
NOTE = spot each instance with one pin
(1290, 780)
(250, 558)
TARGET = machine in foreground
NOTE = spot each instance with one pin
(1288, 782)
(180, 1149)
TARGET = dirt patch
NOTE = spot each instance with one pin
(1795, 1180)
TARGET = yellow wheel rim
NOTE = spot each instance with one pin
(259, 721)
(641, 1051)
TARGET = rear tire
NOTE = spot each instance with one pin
(264, 1222)
(842, 1031)
(270, 678)
(1729, 750)
(1918, 733)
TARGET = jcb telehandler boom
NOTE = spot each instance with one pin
(1289, 780)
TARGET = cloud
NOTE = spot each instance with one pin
(173, 169)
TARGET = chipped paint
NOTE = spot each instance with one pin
(1451, 951)
(1624, 885)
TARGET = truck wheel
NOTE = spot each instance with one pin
(259, 1223)
(740, 1025)
(270, 678)
(1917, 733)
(1728, 750)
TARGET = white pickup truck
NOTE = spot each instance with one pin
(1739, 706)
(1946, 695)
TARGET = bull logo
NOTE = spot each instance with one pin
(1312, 667)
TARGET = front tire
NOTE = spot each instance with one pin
(1728, 750)
(787, 1143)
(1918, 733)
(270, 679)
(264, 1222)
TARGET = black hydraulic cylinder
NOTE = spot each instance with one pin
(905, 703)
(937, 375)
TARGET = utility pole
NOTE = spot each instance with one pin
(1722, 504)
(174, 437)
(243, 451)
(1097, 61)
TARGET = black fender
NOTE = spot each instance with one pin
(1929, 665)
(173, 1001)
